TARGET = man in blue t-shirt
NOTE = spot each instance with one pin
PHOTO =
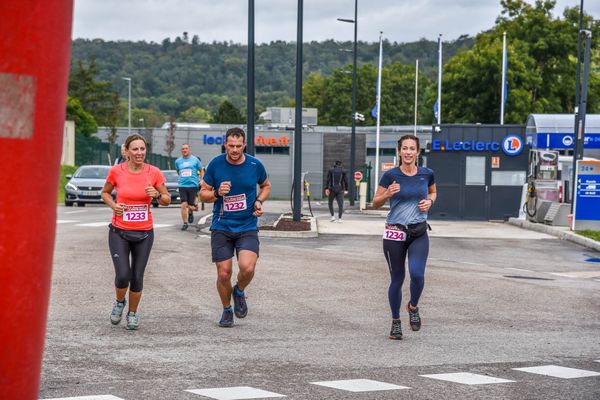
(189, 169)
(230, 182)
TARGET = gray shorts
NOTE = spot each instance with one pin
(224, 243)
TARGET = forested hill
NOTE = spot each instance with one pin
(175, 75)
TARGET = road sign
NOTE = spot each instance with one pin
(587, 196)
(387, 166)
(358, 176)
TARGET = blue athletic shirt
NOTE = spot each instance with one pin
(188, 168)
(233, 212)
(404, 205)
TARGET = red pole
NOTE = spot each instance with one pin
(34, 67)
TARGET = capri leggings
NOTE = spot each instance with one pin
(395, 253)
(123, 243)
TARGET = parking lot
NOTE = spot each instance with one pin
(506, 314)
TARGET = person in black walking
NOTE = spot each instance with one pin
(336, 188)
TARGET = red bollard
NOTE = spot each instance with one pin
(35, 48)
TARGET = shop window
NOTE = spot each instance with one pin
(508, 178)
(475, 171)
(272, 150)
(382, 152)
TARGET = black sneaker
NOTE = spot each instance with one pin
(226, 318)
(239, 304)
(184, 226)
(413, 315)
(190, 216)
(396, 332)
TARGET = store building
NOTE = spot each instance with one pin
(479, 170)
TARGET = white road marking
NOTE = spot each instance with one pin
(95, 224)
(101, 397)
(202, 220)
(74, 212)
(559, 372)
(519, 269)
(162, 225)
(235, 393)
(578, 274)
(359, 385)
(467, 378)
(65, 221)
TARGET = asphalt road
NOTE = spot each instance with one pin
(318, 313)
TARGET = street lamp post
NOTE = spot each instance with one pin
(128, 106)
(352, 187)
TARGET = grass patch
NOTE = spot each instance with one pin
(64, 170)
(595, 235)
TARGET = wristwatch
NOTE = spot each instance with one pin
(216, 193)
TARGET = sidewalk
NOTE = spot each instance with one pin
(371, 222)
(561, 232)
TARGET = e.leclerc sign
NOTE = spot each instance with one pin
(511, 145)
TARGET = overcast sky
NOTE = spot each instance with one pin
(226, 20)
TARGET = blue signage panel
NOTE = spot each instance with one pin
(561, 140)
(587, 196)
(511, 145)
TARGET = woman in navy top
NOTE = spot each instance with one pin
(411, 192)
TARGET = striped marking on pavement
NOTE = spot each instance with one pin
(559, 372)
(235, 393)
(94, 224)
(101, 397)
(467, 378)
(74, 212)
(359, 385)
(65, 221)
(578, 274)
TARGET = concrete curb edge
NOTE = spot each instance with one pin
(564, 235)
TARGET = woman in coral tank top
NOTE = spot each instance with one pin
(131, 230)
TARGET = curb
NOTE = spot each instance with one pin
(563, 235)
(313, 233)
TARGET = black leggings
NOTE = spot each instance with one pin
(123, 243)
(339, 196)
(395, 253)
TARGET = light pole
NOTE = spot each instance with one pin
(128, 106)
(297, 184)
(250, 82)
(353, 135)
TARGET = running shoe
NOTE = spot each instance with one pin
(396, 332)
(413, 315)
(190, 216)
(117, 312)
(226, 318)
(184, 226)
(239, 303)
(332, 219)
(339, 220)
(132, 321)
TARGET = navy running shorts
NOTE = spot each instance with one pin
(188, 194)
(224, 243)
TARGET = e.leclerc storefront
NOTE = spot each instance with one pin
(479, 170)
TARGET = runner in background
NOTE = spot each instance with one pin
(230, 182)
(189, 169)
(131, 233)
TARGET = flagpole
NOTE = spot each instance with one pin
(503, 87)
(378, 111)
(416, 92)
(439, 100)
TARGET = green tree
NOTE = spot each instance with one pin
(228, 114)
(541, 67)
(85, 123)
(195, 114)
(96, 97)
